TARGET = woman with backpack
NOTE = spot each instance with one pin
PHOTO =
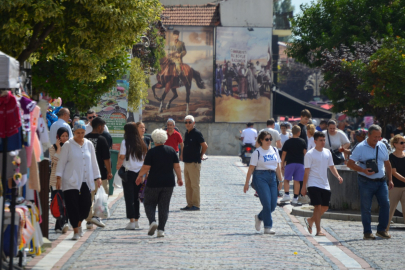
(266, 169)
(132, 153)
(62, 136)
(77, 173)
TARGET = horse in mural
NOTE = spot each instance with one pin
(169, 79)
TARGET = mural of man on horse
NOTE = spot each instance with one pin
(174, 74)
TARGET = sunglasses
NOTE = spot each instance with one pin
(401, 143)
(188, 122)
(91, 117)
(267, 139)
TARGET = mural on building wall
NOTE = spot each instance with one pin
(184, 84)
(243, 78)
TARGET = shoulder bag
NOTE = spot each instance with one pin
(337, 156)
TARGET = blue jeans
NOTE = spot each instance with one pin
(367, 190)
(265, 183)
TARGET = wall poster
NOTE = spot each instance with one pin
(243, 74)
(113, 109)
(184, 84)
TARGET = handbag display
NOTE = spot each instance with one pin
(122, 172)
(337, 156)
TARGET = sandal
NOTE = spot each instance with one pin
(309, 228)
(320, 234)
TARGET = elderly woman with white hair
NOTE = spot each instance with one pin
(76, 172)
(160, 162)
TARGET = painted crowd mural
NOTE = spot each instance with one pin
(184, 84)
(243, 74)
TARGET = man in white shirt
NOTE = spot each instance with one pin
(276, 142)
(316, 162)
(249, 135)
(63, 118)
(90, 116)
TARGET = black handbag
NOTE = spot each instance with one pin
(373, 163)
(337, 156)
(122, 172)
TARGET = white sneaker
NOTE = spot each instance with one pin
(65, 228)
(89, 226)
(269, 231)
(58, 231)
(152, 228)
(286, 198)
(258, 223)
(130, 226)
(76, 236)
(294, 201)
(81, 232)
(304, 199)
(136, 225)
(160, 233)
(98, 222)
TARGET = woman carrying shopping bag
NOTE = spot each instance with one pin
(132, 153)
(266, 169)
(160, 162)
(62, 136)
(76, 173)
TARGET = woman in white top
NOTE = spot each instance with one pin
(76, 173)
(265, 167)
(310, 134)
(132, 153)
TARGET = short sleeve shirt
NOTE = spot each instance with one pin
(102, 151)
(336, 140)
(398, 164)
(275, 135)
(364, 152)
(174, 140)
(161, 159)
(192, 146)
(265, 159)
(249, 135)
(294, 147)
(303, 134)
(318, 163)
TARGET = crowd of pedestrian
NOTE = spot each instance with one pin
(81, 164)
(306, 151)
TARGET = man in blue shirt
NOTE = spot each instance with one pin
(63, 118)
(373, 183)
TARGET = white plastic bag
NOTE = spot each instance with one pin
(117, 181)
(101, 204)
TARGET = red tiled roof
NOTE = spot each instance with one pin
(201, 15)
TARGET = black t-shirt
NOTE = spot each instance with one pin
(399, 164)
(397, 131)
(303, 134)
(295, 150)
(108, 137)
(192, 146)
(161, 159)
(102, 151)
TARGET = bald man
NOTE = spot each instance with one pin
(63, 118)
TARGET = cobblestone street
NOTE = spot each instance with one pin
(222, 235)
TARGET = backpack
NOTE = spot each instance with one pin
(58, 209)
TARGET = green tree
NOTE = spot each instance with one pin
(327, 24)
(88, 33)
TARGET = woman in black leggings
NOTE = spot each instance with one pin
(160, 162)
(132, 153)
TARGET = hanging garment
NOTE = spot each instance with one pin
(13, 143)
(33, 179)
(10, 119)
(43, 133)
(34, 124)
(27, 106)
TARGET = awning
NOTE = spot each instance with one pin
(9, 72)
(287, 105)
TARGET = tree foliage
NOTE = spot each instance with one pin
(327, 24)
(88, 33)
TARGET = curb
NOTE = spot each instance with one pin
(302, 212)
